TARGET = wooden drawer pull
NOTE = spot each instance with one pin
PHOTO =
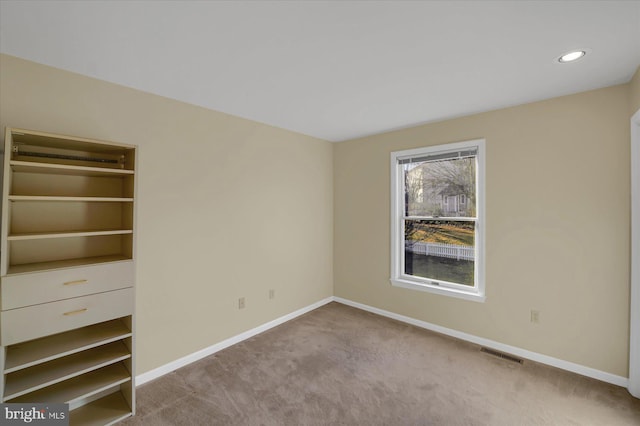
(76, 282)
(76, 312)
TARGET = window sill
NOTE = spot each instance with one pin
(444, 291)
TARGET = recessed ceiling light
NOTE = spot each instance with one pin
(572, 56)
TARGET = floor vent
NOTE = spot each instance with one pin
(501, 355)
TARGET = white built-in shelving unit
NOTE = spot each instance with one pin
(67, 273)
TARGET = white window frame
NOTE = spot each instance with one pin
(398, 278)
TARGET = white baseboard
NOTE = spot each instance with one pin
(533, 356)
(181, 362)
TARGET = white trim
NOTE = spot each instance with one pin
(398, 279)
(634, 306)
(533, 356)
(437, 289)
(181, 362)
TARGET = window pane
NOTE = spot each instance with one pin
(441, 188)
(440, 250)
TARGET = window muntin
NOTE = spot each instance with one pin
(436, 219)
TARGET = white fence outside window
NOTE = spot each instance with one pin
(451, 251)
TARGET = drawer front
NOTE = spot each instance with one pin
(42, 287)
(28, 323)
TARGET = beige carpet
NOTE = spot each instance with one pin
(341, 366)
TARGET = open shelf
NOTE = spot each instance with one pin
(38, 147)
(95, 184)
(72, 247)
(63, 169)
(60, 264)
(32, 379)
(34, 352)
(104, 411)
(40, 236)
(79, 387)
(52, 217)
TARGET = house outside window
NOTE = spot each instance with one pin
(437, 219)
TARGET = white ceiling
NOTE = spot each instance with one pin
(334, 69)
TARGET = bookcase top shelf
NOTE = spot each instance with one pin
(34, 137)
(72, 153)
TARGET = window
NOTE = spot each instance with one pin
(437, 219)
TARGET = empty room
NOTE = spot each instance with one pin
(320, 212)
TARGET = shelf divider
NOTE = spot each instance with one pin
(62, 198)
(67, 234)
(53, 168)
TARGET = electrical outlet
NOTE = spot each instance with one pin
(241, 303)
(272, 294)
(535, 316)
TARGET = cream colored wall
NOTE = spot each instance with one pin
(557, 229)
(634, 88)
(227, 207)
(557, 215)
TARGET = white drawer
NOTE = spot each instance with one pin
(42, 287)
(28, 323)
